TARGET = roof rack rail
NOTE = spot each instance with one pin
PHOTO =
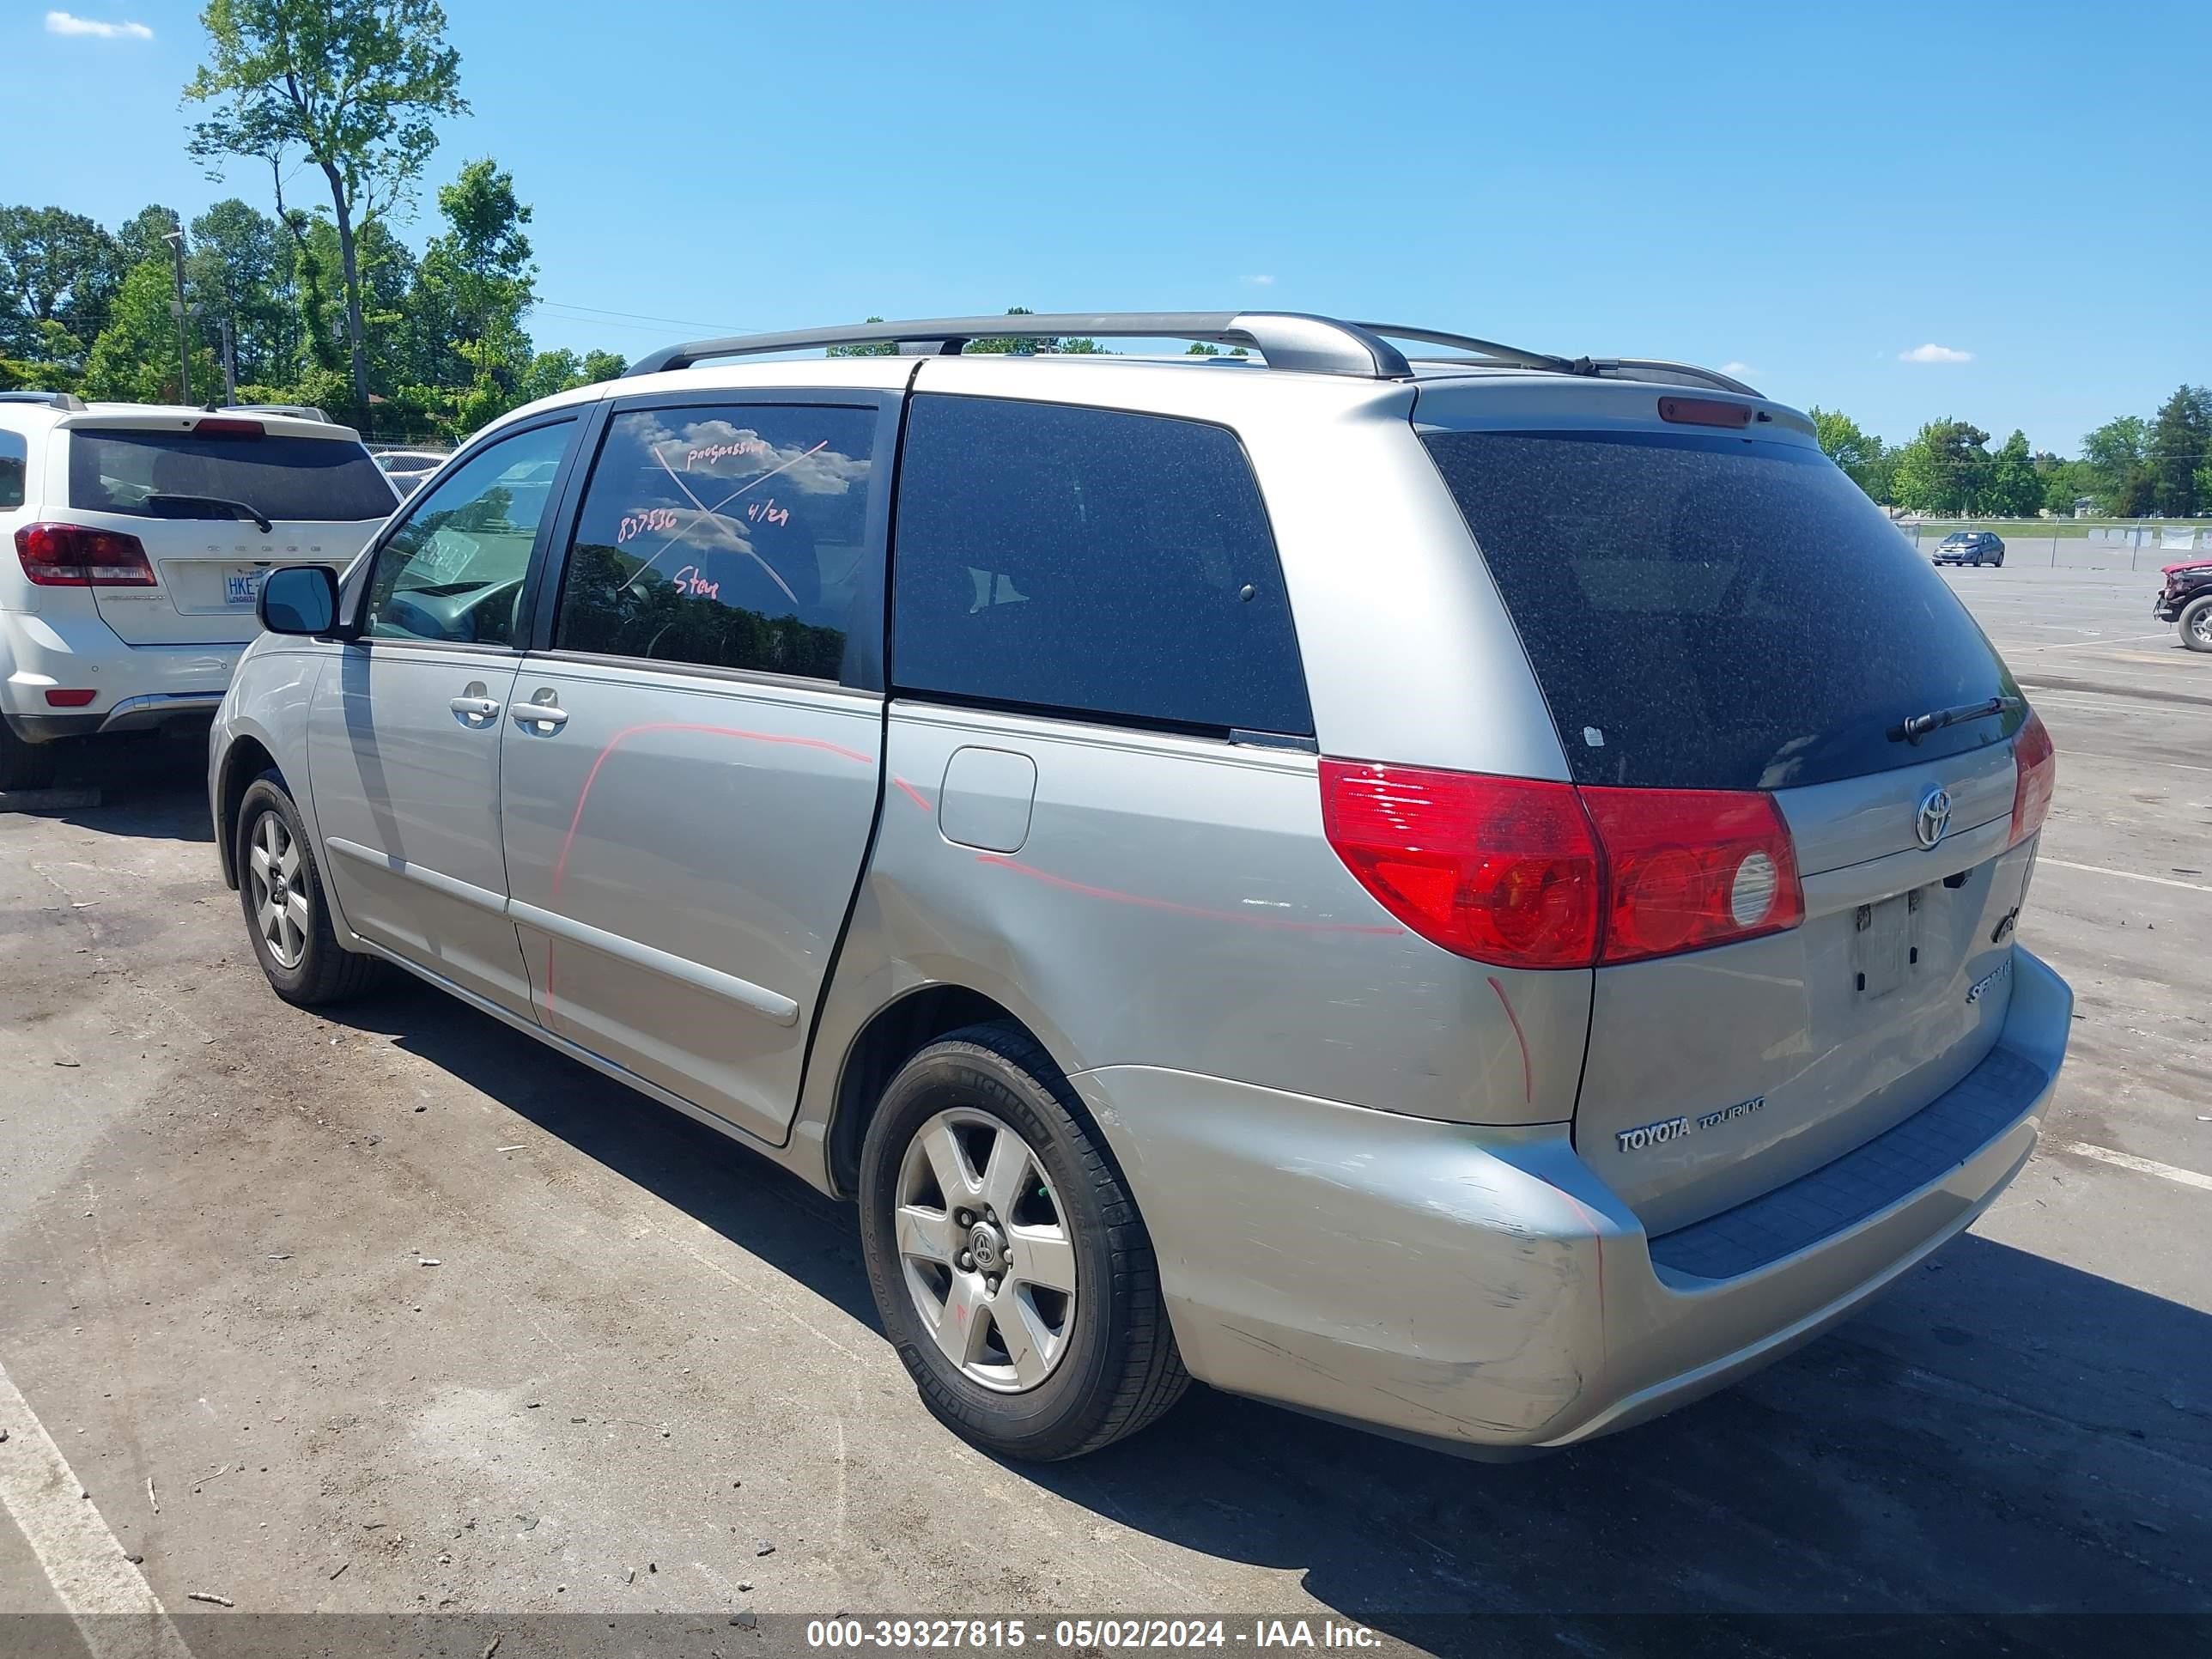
(301, 411)
(67, 401)
(1512, 357)
(1622, 368)
(1661, 372)
(1287, 339)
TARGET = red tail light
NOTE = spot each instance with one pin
(1525, 873)
(2035, 773)
(59, 698)
(1503, 870)
(1686, 868)
(74, 556)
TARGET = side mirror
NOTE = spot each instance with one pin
(299, 598)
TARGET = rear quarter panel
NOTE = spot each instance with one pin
(268, 703)
(1175, 903)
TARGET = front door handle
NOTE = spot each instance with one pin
(543, 712)
(472, 708)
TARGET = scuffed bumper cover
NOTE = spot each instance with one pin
(1481, 1286)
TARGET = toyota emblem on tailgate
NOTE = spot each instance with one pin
(1935, 815)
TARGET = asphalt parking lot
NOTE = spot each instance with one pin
(401, 1313)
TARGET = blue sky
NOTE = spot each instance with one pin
(1807, 191)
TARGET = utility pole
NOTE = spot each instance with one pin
(229, 364)
(175, 238)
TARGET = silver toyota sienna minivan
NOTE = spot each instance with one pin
(1463, 890)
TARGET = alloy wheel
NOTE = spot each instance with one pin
(984, 1250)
(279, 894)
(2201, 625)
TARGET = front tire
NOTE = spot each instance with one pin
(287, 914)
(24, 765)
(1035, 1327)
(2196, 623)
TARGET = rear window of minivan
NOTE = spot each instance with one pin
(323, 480)
(1708, 613)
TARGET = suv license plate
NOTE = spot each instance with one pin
(242, 586)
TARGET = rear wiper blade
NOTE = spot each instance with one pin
(1918, 726)
(232, 509)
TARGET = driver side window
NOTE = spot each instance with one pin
(453, 571)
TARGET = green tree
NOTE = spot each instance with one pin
(354, 84)
(564, 371)
(2117, 455)
(240, 269)
(603, 366)
(1856, 451)
(2064, 482)
(2180, 443)
(55, 362)
(1944, 469)
(879, 349)
(134, 358)
(478, 273)
(55, 267)
(2013, 490)
(1042, 345)
(144, 235)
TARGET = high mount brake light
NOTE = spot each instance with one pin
(221, 428)
(1524, 872)
(76, 555)
(1703, 411)
(2035, 773)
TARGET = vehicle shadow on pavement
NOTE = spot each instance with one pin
(143, 784)
(1999, 1436)
(764, 1210)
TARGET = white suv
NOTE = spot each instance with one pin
(140, 534)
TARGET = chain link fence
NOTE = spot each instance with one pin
(2076, 544)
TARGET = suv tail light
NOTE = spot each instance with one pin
(1503, 870)
(75, 555)
(1525, 873)
(2035, 773)
(1686, 868)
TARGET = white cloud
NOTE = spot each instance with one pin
(1932, 352)
(1260, 282)
(1738, 371)
(60, 22)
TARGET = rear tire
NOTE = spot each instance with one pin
(286, 914)
(1101, 1362)
(2196, 623)
(24, 765)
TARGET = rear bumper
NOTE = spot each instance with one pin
(135, 687)
(1482, 1289)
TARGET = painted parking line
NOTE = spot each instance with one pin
(2084, 645)
(2124, 875)
(116, 1610)
(2149, 1166)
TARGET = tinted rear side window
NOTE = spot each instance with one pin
(1090, 561)
(15, 458)
(316, 479)
(1716, 613)
(727, 536)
